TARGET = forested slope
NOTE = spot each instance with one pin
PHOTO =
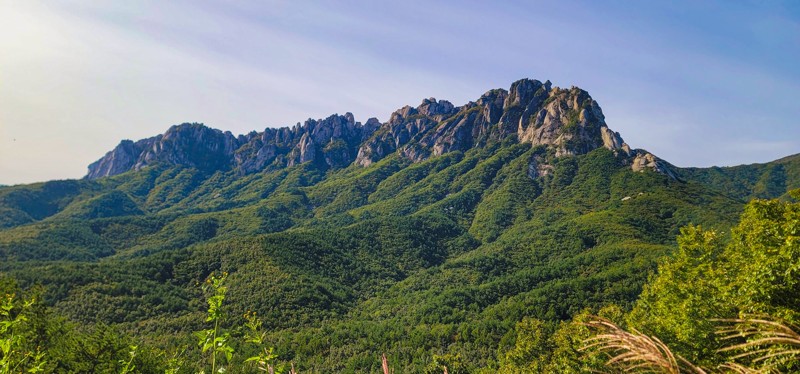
(434, 233)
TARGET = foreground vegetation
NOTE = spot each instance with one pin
(723, 302)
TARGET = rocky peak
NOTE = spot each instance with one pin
(565, 121)
(437, 109)
(119, 160)
(493, 103)
(193, 145)
(643, 160)
(404, 125)
(370, 126)
(189, 144)
(523, 91)
(332, 141)
(568, 121)
(399, 115)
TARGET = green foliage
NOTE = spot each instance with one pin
(34, 340)
(215, 342)
(265, 357)
(571, 127)
(448, 363)
(541, 347)
(531, 343)
(112, 204)
(680, 301)
(129, 365)
(435, 263)
(14, 355)
(25, 204)
(750, 273)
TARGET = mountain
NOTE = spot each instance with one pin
(332, 140)
(569, 122)
(433, 233)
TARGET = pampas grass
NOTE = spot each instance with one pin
(763, 343)
(766, 343)
(731, 367)
(634, 352)
(385, 364)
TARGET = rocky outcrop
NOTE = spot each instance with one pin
(568, 120)
(332, 141)
(565, 122)
(119, 160)
(403, 126)
(189, 144)
(643, 160)
(470, 126)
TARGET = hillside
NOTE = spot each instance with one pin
(433, 233)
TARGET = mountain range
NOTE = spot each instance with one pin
(433, 233)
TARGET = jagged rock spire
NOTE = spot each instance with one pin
(568, 121)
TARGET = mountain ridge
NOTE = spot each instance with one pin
(568, 121)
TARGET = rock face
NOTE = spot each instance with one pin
(332, 142)
(568, 120)
(189, 144)
(404, 125)
(563, 121)
(644, 160)
(119, 160)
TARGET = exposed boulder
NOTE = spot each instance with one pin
(644, 160)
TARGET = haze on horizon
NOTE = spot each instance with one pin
(696, 83)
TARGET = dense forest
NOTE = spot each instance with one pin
(472, 259)
(726, 301)
(477, 282)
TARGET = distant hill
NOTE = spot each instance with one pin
(434, 232)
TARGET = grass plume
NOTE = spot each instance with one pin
(634, 351)
(765, 342)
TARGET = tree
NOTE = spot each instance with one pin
(756, 273)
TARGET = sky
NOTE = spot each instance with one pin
(697, 83)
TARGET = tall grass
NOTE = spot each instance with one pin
(758, 346)
(762, 342)
(634, 352)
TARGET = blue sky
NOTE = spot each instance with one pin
(698, 83)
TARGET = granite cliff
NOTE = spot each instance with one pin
(332, 141)
(564, 121)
